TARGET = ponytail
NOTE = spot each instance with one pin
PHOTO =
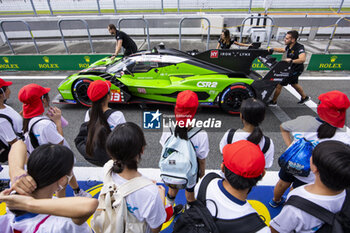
(181, 132)
(98, 127)
(256, 135)
(326, 131)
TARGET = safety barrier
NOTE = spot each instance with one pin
(318, 62)
(186, 18)
(332, 35)
(147, 28)
(28, 27)
(175, 5)
(87, 29)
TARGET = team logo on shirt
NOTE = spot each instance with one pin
(152, 120)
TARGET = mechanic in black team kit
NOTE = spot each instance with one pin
(295, 54)
(124, 40)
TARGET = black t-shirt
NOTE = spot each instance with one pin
(294, 53)
(128, 44)
(225, 46)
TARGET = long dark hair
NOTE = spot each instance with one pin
(98, 127)
(125, 145)
(253, 112)
(227, 37)
(326, 130)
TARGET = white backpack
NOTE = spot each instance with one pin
(178, 162)
(112, 215)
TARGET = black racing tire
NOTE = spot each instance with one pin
(232, 97)
(79, 90)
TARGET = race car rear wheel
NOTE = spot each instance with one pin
(79, 90)
(232, 97)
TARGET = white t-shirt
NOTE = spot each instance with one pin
(113, 120)
(45, 132)
(292, 218)
(227, 206)
(28, 222)
(240, 134)
(200, 142)
(145, 204)
(306, 126)
(6, 130)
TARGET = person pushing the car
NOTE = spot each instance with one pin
(124, 40)
(295, 54)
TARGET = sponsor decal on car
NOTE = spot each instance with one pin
(214, 54)
(116, 96)
(207, 84)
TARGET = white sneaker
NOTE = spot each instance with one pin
(82, 193)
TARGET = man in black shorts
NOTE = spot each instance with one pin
(124, 40)
(295, 54)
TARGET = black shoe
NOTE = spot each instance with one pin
(302, 101)
(272, 103)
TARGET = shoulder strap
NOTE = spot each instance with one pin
(109, 112)
(230, 135)
(266, 145)
(8, 119)
(193, 131)
(311, 208)
(202, 192)
(33, 139)
(133, 185)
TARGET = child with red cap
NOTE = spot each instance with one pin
(328, 125)
(243, 165)
(40, 129)
(185, 109)
(10, 125)
(102, 120)
(10, 120)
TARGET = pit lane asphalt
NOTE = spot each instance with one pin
(133, 112)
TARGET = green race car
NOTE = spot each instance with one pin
(221, 78)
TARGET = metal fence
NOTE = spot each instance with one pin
(113, 6)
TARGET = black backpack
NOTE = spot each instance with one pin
(266, 144)
(5, 149)
(198, 219)
(100, 155)
(333, 222)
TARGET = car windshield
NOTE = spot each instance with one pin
(118, 66)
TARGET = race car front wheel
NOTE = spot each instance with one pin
(232, 97)
(79, 90)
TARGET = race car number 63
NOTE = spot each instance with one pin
(115, 97)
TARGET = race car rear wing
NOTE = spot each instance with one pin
(278, 70)
(236, 60)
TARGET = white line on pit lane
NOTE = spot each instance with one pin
(306, 78)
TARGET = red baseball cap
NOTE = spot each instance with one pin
(30, 95)
(3, 83)
(244, 158)
(186, 106)
(332, 108)
(98, 89)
